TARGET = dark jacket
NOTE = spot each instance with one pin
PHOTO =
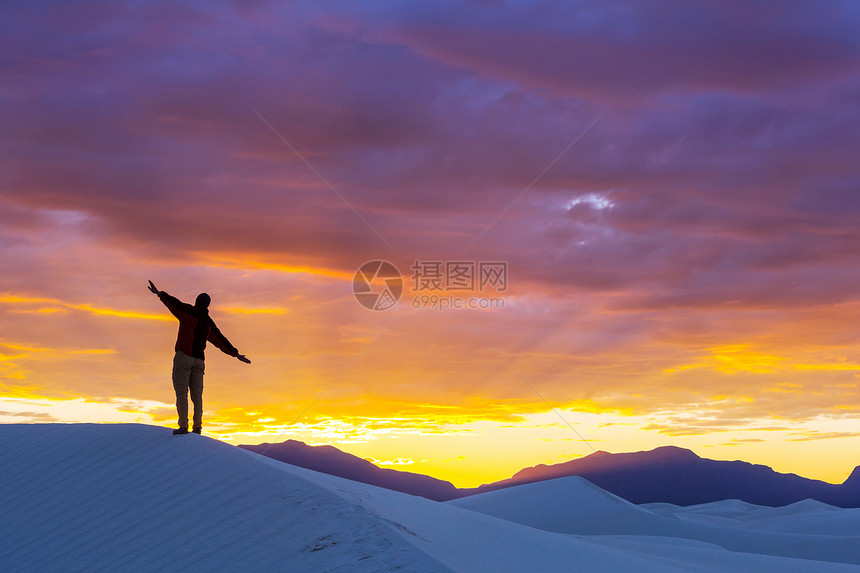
(195, 328)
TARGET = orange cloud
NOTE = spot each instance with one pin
(260, 262)
(56, 305)
(740, 358)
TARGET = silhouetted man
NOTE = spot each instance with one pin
(195, 328)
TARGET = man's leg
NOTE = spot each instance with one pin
(196, 385)
(181, 378)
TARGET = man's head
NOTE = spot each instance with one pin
(202, 301)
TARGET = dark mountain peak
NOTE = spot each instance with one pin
(328, 459)
(297, 448)
(660, 453)
(286, 444)
(853, 480)
(601, 461)
(673, 452)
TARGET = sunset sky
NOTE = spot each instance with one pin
(674, 186)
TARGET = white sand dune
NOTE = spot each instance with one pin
(808, 516)
(730, 508)
(574, 505)
(136, 498)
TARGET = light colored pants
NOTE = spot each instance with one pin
(188, 374)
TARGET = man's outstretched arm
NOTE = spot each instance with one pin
(173, 304)
(220, 341)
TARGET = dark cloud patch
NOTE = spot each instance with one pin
(624, 50)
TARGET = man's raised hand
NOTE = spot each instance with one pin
(152, 288)
(243, 358)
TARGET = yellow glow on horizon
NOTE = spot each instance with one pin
(470, 454)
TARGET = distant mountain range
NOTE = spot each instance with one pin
(667, 474)
(330, 460)
(675, 475)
